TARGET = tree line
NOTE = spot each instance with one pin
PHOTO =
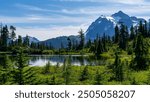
(10, 42)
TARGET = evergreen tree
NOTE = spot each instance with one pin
(12, 33)
(1, 27)
(89, 43)
(118, 69)
(132, 33)
(67, 70)
(74, 46)
(41, 47)
(6, 62)
(21, 63)
(98, 78)
(141, 29)
(4, 37)
(82, 40)
(117, 34)
(33, 45)
(99, 48)
(19, 40)
(84, 74)
(69, 44)
(126, 70)
(5, 70)
(0, 36)
(149, 28)
(140, 61)
(104, 42)
(96, 43)
(26, 42)
(145, 29)
(123, 37)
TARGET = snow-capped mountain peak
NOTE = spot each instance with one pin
(107, 24)
(120, 15)
(102, 16)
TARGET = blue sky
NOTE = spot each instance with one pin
(46, 19)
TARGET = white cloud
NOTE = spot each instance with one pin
(126, 1)
(44, 19)
(85, 11)
(51, 32)
(109, 1)
(137, 10)
(31, 7)
(73, 11)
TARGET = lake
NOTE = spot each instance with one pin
(78, 60)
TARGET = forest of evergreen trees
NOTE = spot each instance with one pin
(127, 54)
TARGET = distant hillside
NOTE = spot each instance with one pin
(62, 41)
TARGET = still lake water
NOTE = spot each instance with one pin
(78, 60)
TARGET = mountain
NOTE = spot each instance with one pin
(107, 24)
(58, 42)
(32, 39)
(121, 17)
